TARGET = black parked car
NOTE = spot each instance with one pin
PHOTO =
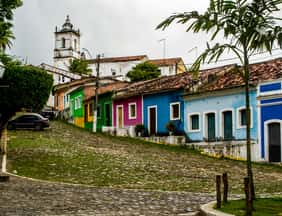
(48, 114)
(29, 121)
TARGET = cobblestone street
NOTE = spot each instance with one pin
(28, 197)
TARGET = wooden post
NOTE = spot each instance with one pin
(225, 187)
(218, 191)
(248, 196)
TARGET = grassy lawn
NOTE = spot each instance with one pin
(263, 207)
(68, 154)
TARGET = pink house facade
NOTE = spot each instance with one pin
(127, 112)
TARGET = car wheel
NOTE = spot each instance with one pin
(10, 127)
(38, 127)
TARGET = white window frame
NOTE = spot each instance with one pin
(238, 115)
(266, 136)
(78, 102)
(171, 112)
(273, 92)
(129, 110)
(75, 103)
(190, 122)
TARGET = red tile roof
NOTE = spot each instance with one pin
(208, 80)
(107, 88)
(119, 59)
(166, 61)
(79, 82)
(263, 71)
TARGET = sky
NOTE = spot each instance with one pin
(112, 28)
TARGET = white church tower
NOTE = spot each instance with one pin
(67, 45)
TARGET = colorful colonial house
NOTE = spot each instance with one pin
(76, 106)
(61, 92)
(153, 103)
(215, 110)
(127, 112)
(270, 114)
(104, 108)
(170, 66)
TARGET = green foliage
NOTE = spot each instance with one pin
(6, 16)
(170, 126)
(263, 207)
(8, 61)
(143, 71)
(140, 128)
(28, 87)
(79, 66)
(249, 25)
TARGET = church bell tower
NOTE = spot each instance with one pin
(67, 44)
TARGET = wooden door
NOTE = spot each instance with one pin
(274, 142)
(227, 124)
(120, 117)
(108, 115)
(152, 121)
(211, 126)
(85, 112)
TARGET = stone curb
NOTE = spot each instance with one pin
(208, 210)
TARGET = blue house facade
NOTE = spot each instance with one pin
(161, 108)
(219, 116)
(270, 116)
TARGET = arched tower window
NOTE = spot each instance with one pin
(63, 43)
(75, 44)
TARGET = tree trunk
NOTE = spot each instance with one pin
(4, 118)
(248, 128)
(3, 150)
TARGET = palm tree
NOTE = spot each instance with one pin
(6, 35)
(79, 66)
(249, 25)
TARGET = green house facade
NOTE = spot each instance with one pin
(104, 111)
(76, 106)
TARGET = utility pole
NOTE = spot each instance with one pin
(96, 94)
(164, 47)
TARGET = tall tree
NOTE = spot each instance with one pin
(249, 25)
(143, 71)
(6, 16)
(79, 66)
(26, 87)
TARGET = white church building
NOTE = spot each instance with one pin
(67, 48)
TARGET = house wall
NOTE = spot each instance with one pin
(167, 70)
(125, 103)
(102, 102)
(77, 113)
(163, 101)
(217, 104)
(180, 68)
(88, 124)
(270, 107)
(119, 69)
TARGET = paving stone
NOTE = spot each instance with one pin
(26, 197)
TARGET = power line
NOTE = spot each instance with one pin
(236, 58)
